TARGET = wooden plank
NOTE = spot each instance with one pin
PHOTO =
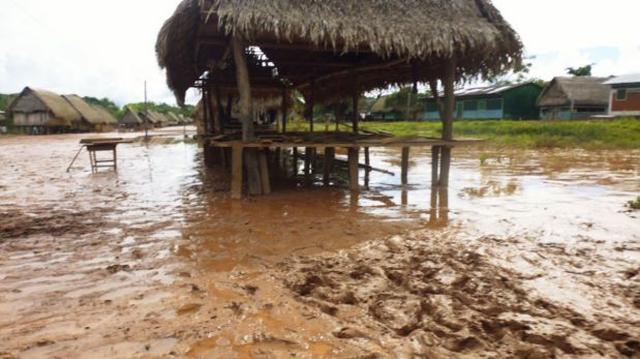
(264, 172)
(405, 165)
(353, 168)
(236, 172)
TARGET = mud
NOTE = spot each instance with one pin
(540, 258)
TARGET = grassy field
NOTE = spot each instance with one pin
(590, 134)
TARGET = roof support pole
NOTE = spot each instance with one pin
(244, 88)
(284, 109)
(311, 105)
(355, 98)
(246, 117)
(449, 105)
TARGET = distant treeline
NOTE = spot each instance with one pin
(118, 112)
(186, 111)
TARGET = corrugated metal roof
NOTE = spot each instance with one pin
(486, 90)
(624, 79)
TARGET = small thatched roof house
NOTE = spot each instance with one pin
(35, 108)
(174, 120)
(42, 111)
(568, 98)
(93, 117)
(131, 119)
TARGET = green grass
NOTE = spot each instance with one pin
(635, 204)
(588, 134)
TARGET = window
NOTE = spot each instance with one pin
(471, 105)
(621, 94)
(432, 107)
(482, 105)
(495, 104)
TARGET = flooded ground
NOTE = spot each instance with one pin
(540, 258)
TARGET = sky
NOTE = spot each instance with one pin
(106, 48)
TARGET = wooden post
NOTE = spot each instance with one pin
(236, 172)
(329, 156)
(284, 110)
(244, 88)
(405, 165)
(246, 115)
(356, 111)
(367, 170)
(435, 178)
(447, 134)
(294, 161)
(311, 104)
(308, 152)
(264, 172)
(354, 153)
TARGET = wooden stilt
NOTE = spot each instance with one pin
(329, 156)
(367, 170)
(447, 134)
(294, 161)
(353, 169)
(435, 178)
(264, 172)
(307, 165)
(356, 112)
(236, 172)
(311, 105)
(405, 165)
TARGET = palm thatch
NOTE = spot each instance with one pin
(63, 113)
(92, 114)
(575, 91)
(330, 41)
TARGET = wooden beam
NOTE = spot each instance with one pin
(216, 41)
(366, 68)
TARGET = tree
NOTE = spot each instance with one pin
(405, 101)
(580, 71)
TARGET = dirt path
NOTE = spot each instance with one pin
(540, 259)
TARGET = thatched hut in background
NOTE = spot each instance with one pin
(573, 98)
(93, 118)
(174, 120)
(37, 111)
(329, 51)
(131, 120)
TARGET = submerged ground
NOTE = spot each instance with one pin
(540, 258)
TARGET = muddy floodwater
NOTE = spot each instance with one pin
(540, 258)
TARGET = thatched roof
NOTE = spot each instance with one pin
(92, 114)
(59, 107)
(309, 39)
(579, 91)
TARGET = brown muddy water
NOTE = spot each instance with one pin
(540, 258)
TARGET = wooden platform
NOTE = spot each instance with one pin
(333, 139)
(268, 148)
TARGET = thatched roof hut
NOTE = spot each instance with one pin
(328, 42)
(574, 97)
(94, 115)
(36, 107)
(131, 118)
